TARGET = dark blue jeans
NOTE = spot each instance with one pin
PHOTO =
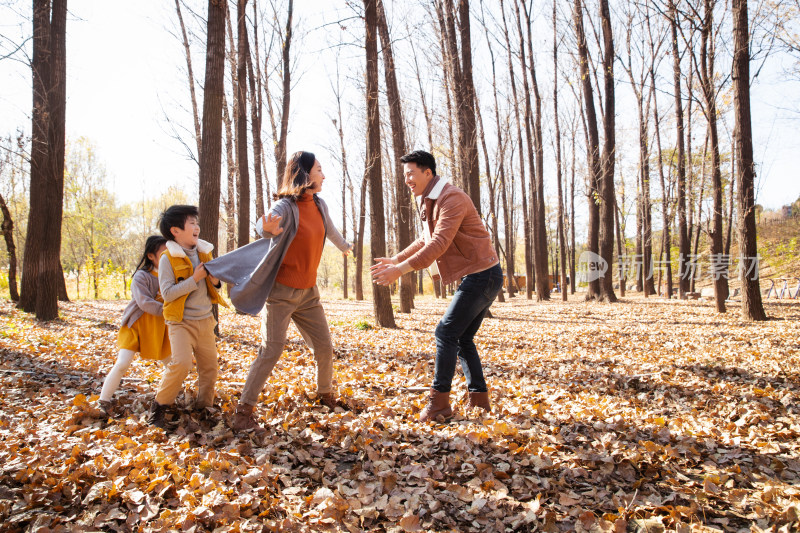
(458, 326)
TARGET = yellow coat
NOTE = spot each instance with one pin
(183, 269)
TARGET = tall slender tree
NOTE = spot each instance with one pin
(211, 151)
(286, 78)
(403, 202)
(752, 307)
(592, 149)
(556, 119)
(243, 52)
(526, 222)
(680, 142)
(708, 84)
(381, 298)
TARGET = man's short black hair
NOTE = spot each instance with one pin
(421, 158)
(175, 217)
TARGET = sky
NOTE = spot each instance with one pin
(126, 87)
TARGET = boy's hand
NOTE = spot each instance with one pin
(200, 273)
(271, 224)
(214, 281)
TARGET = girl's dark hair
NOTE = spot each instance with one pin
(151, 246)
(296, 181)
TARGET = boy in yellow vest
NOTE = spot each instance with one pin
(187, 310)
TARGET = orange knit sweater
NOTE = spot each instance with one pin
(299, 267)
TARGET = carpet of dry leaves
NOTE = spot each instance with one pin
(644, 415)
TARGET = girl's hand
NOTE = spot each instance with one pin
(347, 252)
(271, 224)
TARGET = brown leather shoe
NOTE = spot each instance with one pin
(438, 405)
(243, 419)
(479, 399)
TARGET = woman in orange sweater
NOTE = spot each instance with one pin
(294, 233)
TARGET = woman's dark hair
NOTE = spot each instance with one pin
(175, 217)
(296, 180)
(422, 159)
(151, 246)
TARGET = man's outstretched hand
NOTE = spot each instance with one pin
(384, 272)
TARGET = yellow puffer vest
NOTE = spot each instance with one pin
(182, 269)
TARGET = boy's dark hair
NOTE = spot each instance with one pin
(175, 217)
(151, 246)
(422, 159)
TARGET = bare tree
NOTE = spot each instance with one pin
(243, 52)
(526, 222)
(708, 85)
(683, 232)
(592, 148)
(211, 151)
(403, 199)
(280, 144)
(381, 300)
(190, 74)
(752, 307)
(556, 119)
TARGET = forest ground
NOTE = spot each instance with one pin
(639, 416)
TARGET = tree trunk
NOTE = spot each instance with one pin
(8, 236)
(346, 181)
(190, 74)
(608, 196)
(752, 307)
(731, 188)
(243, 207)
(719, 264)
(562, 241)
(255, 124)
(683, 232)
(593, 151)
(509, 246)
(230, 200)
(42, 274)
(382, 302)
(540, 239)
(362, 212)
(470, 171)
(700, 207)
(665, 200)
(403, 202)
(280, 145)
(211, 151)
(492, 186)
(526, 222)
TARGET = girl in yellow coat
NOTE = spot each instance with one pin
(143, 329)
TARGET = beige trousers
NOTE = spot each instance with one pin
(191, 337)
(304, 308)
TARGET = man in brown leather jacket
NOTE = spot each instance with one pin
(455, 245)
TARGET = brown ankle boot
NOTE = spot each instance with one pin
(438, 405)
(243, 419)
(479, 399)
(328, 399)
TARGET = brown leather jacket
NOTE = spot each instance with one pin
(460, 244)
